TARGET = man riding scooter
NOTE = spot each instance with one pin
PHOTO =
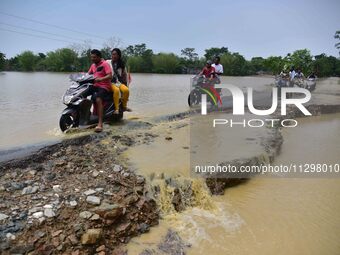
(102, 84)
(208, 71)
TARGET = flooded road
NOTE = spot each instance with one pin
(31, 104)
(262, 216)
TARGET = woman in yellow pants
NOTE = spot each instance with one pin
(119, 80)
(117, 90)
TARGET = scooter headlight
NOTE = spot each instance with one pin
(67, 99)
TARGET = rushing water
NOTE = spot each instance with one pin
(262, 216)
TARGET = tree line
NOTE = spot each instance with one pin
(141, 59)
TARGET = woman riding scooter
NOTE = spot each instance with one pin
(119, 80)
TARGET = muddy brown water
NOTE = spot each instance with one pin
(31, 104)
(262, 216)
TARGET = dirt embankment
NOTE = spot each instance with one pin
(74, 198)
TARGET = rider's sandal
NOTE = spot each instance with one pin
(116, 112)
(98, 129)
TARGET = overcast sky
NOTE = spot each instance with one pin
(252, 28)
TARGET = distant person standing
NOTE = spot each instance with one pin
(218, 67)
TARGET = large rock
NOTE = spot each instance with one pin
(38, 215)
(93, 200)
(3, 216)
(85, 214)
(30, 190)
(49, 213)
(91, 236)
(108, 211)
(90, 192)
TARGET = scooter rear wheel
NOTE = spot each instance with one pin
(67, 121)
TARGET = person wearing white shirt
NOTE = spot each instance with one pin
(218, 70)
(292, 74)
(218, 67)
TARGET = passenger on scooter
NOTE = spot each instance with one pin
(218, 67)
(292, 74)
(299, 74)
(102, 84)
(218, 71)
(119, 80)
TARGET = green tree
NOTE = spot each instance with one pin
(214, 51)
(106, 53)
(274, 64)
(165, 63)
(234, 64)
(190, 58)
(326, 65)
(13, 64)
(135, 64)
(2, 61)
(62, 60)
(337, 36)
(141, 58)
(84, 60)
(301, 59)
(257, 64)
(137, 50)
(27, 61)
(40, 62)
(189, 54)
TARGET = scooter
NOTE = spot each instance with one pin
(309, 83)
(78, 110)
(201, 85)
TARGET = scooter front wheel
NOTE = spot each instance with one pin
(194, 97)
(67, 121)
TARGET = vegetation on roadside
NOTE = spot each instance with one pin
(141, 59)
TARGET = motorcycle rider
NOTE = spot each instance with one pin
(208, 71)
(102, 84)
(312, 76)
(119, 80)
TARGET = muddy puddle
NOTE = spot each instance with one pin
(261, 216)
